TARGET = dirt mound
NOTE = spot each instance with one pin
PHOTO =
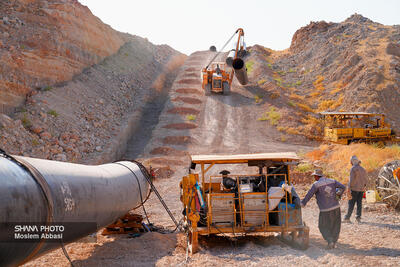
(187, 100)
(192, 75)
(183, 111)
(302, 178)
(188, 91)
(188, 81)
(180, 126)
(163, 172)
(191, 69)
(165, 162)
(347, 66)
(168, 151)
(177, 140)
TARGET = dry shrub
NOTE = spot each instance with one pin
(261, 82)
(291, 130)
(311, 120)
(296, 97)
(305, 107)
(318, 83)
(315, 94)
(274, 95)
(272, 115)
(315, 155)
(325, 105)
(336, 158)
(338, 87)
(337, 103)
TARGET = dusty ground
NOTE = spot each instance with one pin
(223, 124)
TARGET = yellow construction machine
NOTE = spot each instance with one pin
(216, 77)
(261, 199)
(347, 127)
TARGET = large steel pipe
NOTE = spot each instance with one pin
(230, 57)
(85, 198)
(240, 71)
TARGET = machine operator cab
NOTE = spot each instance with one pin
(216, 79)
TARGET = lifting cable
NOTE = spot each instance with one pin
(154, 189)
(140, 190)
(221, 49)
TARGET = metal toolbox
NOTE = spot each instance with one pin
(254, 209)
(221, 208)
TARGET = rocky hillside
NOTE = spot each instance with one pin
(46, 42)
(349, 66)
(80, 86)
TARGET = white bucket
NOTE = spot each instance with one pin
(370, 196)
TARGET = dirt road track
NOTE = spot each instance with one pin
(222, 124)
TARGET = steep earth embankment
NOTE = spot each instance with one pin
(46, 42)
(83, 85)
(349, 66)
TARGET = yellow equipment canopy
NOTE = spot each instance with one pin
(243, 158)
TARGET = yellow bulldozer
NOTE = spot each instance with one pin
(347, 127)
(258, 200)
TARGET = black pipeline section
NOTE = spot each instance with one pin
(240, 71)
(82, 198)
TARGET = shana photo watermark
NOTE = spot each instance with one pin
(26, 231)
(54, 232)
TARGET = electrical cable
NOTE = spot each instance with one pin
(66, 254)
(153, 188)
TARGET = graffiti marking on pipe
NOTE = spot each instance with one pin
(68, 200)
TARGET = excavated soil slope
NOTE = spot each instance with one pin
(46, 42)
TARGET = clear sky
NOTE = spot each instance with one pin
(193, 25)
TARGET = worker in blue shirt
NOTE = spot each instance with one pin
(327, 191)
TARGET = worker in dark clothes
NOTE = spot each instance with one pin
(228, 182)
(357, 185)
(328, 204)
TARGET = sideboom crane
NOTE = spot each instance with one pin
(216, 78)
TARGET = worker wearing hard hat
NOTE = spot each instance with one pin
(357, 185)
(326, 192)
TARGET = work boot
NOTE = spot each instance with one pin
(330, 245)
(346, 220)
(358, 219)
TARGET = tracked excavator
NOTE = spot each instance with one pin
(216, 76)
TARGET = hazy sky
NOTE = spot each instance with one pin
(192, 25)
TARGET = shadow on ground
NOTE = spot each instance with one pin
(145, 250)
